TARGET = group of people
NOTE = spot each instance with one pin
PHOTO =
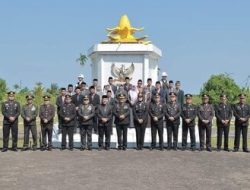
(92, 109)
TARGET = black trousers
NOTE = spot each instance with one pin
(122, 135)
(238, 130)
(202, 130)
(6, 133)
(86, 131)
(104, 130)
(156, 127)
(95, 124)
(47, 130)
(140, 133)
(191, 129)
(172, 130)
(27, 129)
(68, 130)
(220, 130)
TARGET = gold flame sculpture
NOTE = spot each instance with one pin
(124, 33)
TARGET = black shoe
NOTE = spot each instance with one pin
(99, 148)
(14, 149)
(184, 148)
(82, 148)
(107, 148)
(226, 149)
(151, 148)
(49, 149)
(209, 149)
(245, 150)
(89, 148)
(119, 148)
(161, 149)
(235, 150)
(201, 149)
(124, 148)
(175, 148)
(218, 149)
(4, 149)
(42, 149)
(63, 148)
(71, 149)
(193, 148)
(34, 148)
(137, 148)
(25, 149)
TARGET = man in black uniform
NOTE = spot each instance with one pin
(140, 113)
(68, 114)
(188, 114)
(173, 112)
(86, 113)
(223, 113)
(156, 112)
(94, 99)
(29, 113)
(46, 114)
(205, 114)
(242, 114)
(60, 100)
(77, 99)
(122, 119)
(10, 111)
(104, 114)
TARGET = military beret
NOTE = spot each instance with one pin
(157, 82)
(242, 95)
(110, 78)
(67, 96)
(157, 95)
(171, 81)
(85, 97)
(104, 96)
(77, 87)
(46, 97)
(205, 96)
(126, 78)
(188, 95)
(121, 96)
(109, 91)
(29, 97)
(95, 79)
(11, 93)
(172, 94)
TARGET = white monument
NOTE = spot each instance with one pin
(124, 56)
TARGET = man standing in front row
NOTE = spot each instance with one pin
(86, 113)
(29, 114)
(46, 114)
(122, 120)
(205, 114)
(173, 112)
(104, 114)
(140, 113)
(242, 114)
(223, 113)
(156, 112)
(68, 115)
(188, 114)
(10, 111)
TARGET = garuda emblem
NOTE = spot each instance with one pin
(122, 72)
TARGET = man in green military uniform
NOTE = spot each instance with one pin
(29, 113)
(47, 114)
(10, 111)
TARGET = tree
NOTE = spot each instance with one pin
(82, 59)
(3, 89)
(53, 89)
(218, 84)
(38, 92)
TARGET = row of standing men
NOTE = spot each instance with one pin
(156, 112)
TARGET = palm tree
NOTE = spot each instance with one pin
(82, 59)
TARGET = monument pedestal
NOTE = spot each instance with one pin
(123, 56)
